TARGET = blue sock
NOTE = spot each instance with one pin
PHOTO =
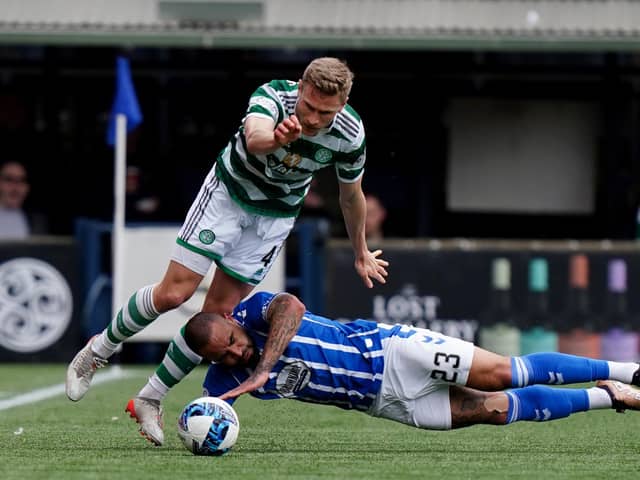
(555, 369)
(539, 403)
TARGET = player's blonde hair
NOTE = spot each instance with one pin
(329, 75)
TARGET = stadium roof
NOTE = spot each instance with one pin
(362, 24)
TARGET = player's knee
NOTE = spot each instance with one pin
(502, 373)
(167, 299)
(489, 371)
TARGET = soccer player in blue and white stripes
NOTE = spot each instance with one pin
(271, 347)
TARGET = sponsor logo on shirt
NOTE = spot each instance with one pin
(292, 159)
(292, 378)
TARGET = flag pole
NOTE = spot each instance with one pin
(117, 235)
(126, 116)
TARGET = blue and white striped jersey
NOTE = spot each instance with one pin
(326, 362)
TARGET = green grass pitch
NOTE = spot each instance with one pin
(94, 439)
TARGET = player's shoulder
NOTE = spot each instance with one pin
(255, 306)
(350, 126)
(283, 85)
(350, 112)
(277, 98)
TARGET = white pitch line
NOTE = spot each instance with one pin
(114, 373)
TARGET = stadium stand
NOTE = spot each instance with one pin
(402, 24)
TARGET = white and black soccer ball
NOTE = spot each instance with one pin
(208, 426)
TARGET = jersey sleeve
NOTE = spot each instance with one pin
(252, 312)
(219, 380)
(350, 164)
(264, 102)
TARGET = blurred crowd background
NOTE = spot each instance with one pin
(489, 121)
(557, 102)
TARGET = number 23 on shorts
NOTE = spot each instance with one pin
(450, 361)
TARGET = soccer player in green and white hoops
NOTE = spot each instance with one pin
(241, 218)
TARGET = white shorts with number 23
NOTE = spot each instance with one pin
(419, 367)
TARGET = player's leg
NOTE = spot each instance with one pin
(233, 280)
(536, 403)
(142, 308)
(213, 227)
(559, 368)
(145, 407)
(224, 293)
(421, 368)
(242, 267)
(491, 372)
(196, 248)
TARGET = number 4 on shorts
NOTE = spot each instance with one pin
(269, 256)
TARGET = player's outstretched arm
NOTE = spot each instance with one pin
(354, 211)
(284, 316)
(263, 136)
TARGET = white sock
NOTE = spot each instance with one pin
(598, 398)
(102, 347)
(623, 372)
(154, 389)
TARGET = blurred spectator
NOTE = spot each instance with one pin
(314, 205)
(15, 221)
(376, 215)
(141, 204)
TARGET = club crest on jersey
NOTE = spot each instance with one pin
(292, 378)
(323, 155)
(207, 237)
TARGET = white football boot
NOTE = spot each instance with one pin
(148, 413)
(80, 371)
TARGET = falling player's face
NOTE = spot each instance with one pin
(230, 345)
(316, 110)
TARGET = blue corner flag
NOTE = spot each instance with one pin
(125, 101)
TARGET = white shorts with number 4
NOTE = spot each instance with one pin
(419, 367)
(243, 244)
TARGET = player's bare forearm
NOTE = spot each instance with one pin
(263, 137)
(260, 142)
(284, 315)
(354, 212)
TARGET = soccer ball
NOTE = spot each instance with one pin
(208, 426)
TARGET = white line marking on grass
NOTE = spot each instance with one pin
(114, 373)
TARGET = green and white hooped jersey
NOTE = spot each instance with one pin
(275, 184)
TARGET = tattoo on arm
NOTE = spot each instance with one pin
(285, 318)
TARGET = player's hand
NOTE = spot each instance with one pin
(254, 382)
(371, 267)
(287, 131)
